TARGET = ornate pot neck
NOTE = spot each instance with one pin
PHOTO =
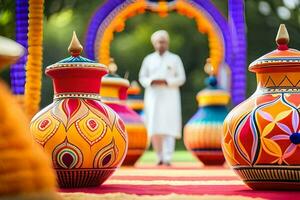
(79, 81)
(114, 88)
(284, 80)
(213, 97)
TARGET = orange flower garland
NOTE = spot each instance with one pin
(118, 25)
(162, 9)
(204, 26)
(35, 57)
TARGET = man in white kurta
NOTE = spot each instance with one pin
(161, 74)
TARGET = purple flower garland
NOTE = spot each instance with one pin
(237, 27)
(17, 73)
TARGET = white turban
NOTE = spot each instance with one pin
(159, 34)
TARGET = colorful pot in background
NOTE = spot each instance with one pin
(262, 134)
(203, 132)
(86, 139)
(135, 98)
(114, 93)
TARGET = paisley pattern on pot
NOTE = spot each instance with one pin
(92, 120)
(106, 156)
(67, 155)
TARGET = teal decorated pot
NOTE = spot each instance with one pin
(202, 133)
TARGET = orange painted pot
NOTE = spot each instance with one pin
(203, 132)
(114, 93)
(262, 134)
(85, 138)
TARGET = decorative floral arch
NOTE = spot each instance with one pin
(227, 41)
(226, 38)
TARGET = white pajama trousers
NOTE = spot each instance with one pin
(164, 146)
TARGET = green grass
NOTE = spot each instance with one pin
(179, 156)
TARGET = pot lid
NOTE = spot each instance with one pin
(283, 56)
(75, 60)
(10, 51)
(112, 78)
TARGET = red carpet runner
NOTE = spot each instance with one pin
(208, 183)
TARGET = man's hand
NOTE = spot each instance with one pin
(159, 82)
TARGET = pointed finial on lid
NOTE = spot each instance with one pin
(282, 38)
(75, 48)
(211, 81)
(112, 67)
(126, 75)
(134, 84)
(208, 68)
